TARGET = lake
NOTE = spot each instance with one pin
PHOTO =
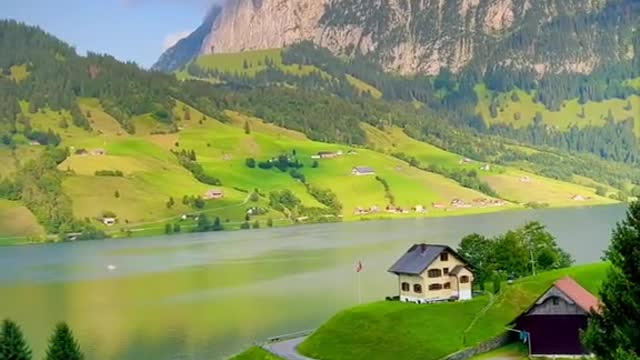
(208, 296)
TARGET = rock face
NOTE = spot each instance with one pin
(425, 36)
(188, 48)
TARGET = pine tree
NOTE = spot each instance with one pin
(62, 345)
(12, 343)
(613, 332)
(247, 129)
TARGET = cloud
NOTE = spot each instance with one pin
(173, 38)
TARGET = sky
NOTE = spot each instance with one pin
(130, 30)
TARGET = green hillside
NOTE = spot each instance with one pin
(250, 62)
(151, 174)
(519, 109)
(387, 330)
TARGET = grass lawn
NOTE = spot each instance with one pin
(389, 330)
(515, 351)
(254, 60)
(364, 87)
(595, 112)
(513, 186)
(17, 221)
(255, 353)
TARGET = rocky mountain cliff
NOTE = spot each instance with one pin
(424, 36)
(188, 48)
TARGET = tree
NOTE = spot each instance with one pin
(170, 202)
(245, 226)
(168, 229)
(89, 114)
(203, 223)
(601, 191)
(63, 346)
(12, 343)
(116, 194)
(270, 222)
(177, 228)
(247, 128)
(254, 197)
(251, 163)
(315, 164)
(476, 249)
(256, 224)
(613, 331)
(217, 224)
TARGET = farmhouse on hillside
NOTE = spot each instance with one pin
(214, 194)
(552, 325)
(362, 170)
(428, 273)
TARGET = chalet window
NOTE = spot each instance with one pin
(434, 273)
(447, 285)
(464, 279)
(445, 271)
(405, 286)
(555, 300)
(434, 287)
(444, 256)
(417, 288)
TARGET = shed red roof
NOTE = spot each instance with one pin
(583, 298)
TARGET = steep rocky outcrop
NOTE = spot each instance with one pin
(425, 36)
(188, 48)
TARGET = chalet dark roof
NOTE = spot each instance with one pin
(417, 259)
(583, 298)
(456, 270)
(363, 169)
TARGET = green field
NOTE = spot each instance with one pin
(17, 221)
(251, 62)
(152, 174)
(387, 330)
(506, 181)
(255, 353)
(595, 112)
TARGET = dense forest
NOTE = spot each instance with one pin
(324, 105)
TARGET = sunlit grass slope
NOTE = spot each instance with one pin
(394, 330)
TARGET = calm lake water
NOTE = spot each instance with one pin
(208, 296)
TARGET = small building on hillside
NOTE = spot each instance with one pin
(578, 198)
(327, 154)
(485, 167)
(553, 323)
(98, 152)
(362, 170)
(429, 273)
(214, 194)
(109, 221)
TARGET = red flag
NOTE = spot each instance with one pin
(359, 267)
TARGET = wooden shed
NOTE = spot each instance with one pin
(552, 325)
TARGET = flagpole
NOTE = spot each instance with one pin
(359, 291)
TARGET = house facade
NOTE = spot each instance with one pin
(429, 273)
(553, 323)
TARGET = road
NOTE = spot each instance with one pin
(287, 349)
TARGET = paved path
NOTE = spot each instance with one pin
(287, 349)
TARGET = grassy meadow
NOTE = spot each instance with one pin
(249, 63)
(17, 221)
(152, 174)
(595, 112)
(386, 330)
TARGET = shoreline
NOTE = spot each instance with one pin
(158, 230)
